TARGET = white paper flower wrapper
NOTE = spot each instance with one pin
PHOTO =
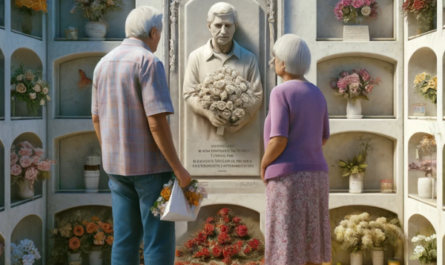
(178, 209)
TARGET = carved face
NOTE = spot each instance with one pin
(222, 28)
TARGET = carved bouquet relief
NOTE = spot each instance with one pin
(227, 94)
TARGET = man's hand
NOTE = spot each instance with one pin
(183, 177)
(216, 120)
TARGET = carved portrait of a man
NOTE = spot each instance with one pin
(222, 81)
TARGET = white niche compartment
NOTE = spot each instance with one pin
(2, 14)
(38, 185)
(381, 28)
(418, 224)
(413, 26)
(30, 228)
(2, 85)
(414, 175)
(381, 99)
(336, 215)
(443, 76)
(32, 61)
(17, 18)
(72, 151)
(115, 21)
(2, 176)
(423, 60)
(73, 99)
(380, 161)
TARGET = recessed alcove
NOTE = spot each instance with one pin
(18, 17)
(2, 84)
(417, 156)
(30, 228)
(32, 61)
(381, 99)
(336, 215)
(380, 28)
(2, 14)
(38, 184)
(2, 176)
(418, 224)
(73, 79)
(380, 161)
(71, 152)
(423, 60)
(2, 250)
(414, 26)
(443, 74)
(115, 21)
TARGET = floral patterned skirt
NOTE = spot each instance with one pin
(297, 219)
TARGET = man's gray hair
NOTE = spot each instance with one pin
(294, 52)
(141, 21)
(222, 8)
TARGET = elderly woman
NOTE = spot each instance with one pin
(293, 166)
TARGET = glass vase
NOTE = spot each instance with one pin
(27, 23)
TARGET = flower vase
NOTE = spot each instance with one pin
(95, 256)
(356, 183)
(96, 30)
(91, 176)
(26, 190)
(354, 109)
(377, 256)
(356, 258)
(75, 258)
(424, 187)
(27, 23)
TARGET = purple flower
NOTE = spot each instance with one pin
(333, 84)
(344, 74)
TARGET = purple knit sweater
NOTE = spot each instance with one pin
(297, 111)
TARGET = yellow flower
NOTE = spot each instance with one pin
(166, 193)
(99, 239)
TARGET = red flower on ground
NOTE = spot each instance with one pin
(239, 244)
(227, 261)
(247, 250)
(209, 229)
(236, 220)
(202, 237)
(205, 252)
(179, 263)
(224, 211)
(254, 243)
(178, 253)
(226, 220)
(217, 251)
(241, 230)
(223, 238)
(190, 243)
(229, 251)
(224, 229)
(210, 220)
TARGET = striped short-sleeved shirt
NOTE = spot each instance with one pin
(129, 84)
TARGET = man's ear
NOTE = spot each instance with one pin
(208, 25)
(153, 33)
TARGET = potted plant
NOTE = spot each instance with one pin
(423, 10)
(355, 168)
(355, 11)
(384, 234)
(27, 86)
(354, 85)
(24, 253)
(28, 10)
(425, 250)
(27, 166)
(426, 85)
(425, 150)
(94, 10)
(81, 233)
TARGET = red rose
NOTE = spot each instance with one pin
(228, 251)
(209, 229)
(227, 260)
(190, 243)
(418, 5)
(178, 253)
(236, 220)
(241, 230)
(236, 249)
(224, 229)
(223, 238)
(247, 250)
(202, 237)
(217, 251)
(205, 252)
(226, 220)
(239, 244)
(254, 243)
(224, 211)
(210, 220)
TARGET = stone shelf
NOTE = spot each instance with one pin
(18, 202)
(62, 201)
(2, 176)
(30, 227)
(87, 39)
(27, 35)
(387, 201)
(422, 34)
(430, 202)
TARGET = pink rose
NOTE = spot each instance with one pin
(369, 88)
(365, 75)
(26, 144)
(358, 3)
(354, 78)
(14, 158)
(31, 173)
(25, 152)
(39, 152)
(25, 161)
(16, 170)
(44, 165)
(35, 160)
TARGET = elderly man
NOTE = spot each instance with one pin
(221, 50)
(130, 105)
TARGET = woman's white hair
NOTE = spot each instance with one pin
(222, 8)
(294, 52)
(141, 21)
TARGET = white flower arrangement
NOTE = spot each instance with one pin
(227, 94)
(426, 249)
(24, 253)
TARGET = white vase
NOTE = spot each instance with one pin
(357, 258)
(354, 109)
(75, 258)
(377, 256)
(356, 183)
(91, 180)
(424, 187)
(26, 191)
(96, 30)
(95, 256)
(433, 188)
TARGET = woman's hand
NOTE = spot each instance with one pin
(263, 175)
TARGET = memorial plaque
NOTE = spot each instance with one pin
(355, 33)
(418, 109)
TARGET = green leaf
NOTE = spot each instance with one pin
(359, 158)
(342, 163)
(363, 166)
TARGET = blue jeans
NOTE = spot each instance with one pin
(132, 198)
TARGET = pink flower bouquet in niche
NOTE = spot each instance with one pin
(28, 165)
(355, 10)
(355, 84)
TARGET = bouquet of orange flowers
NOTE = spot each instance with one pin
(32, 5)
(193, 193)
(81, 233)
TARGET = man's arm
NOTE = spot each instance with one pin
(96, 124)
(160, 130)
